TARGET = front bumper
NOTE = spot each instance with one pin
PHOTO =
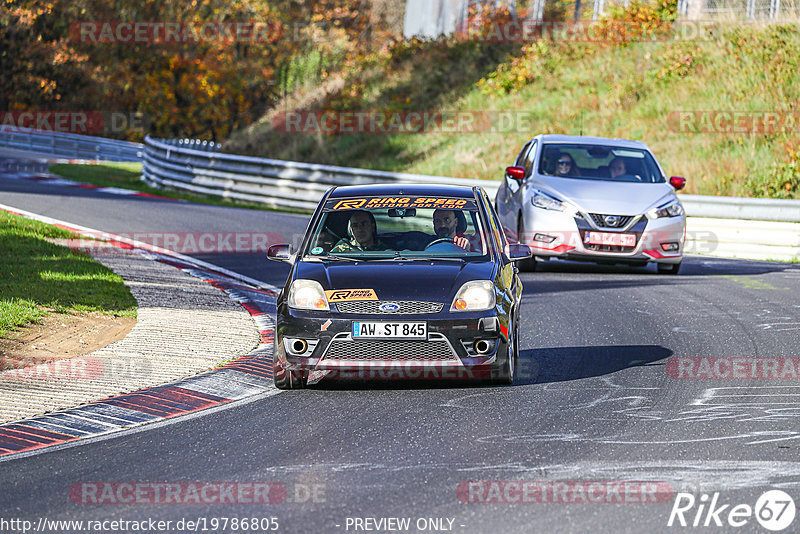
(558, 234)
(449, 351)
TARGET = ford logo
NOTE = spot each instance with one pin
(389, 307)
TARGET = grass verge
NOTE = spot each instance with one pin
(38, 278)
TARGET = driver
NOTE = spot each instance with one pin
(363, 232)
(617, 167)
(451, 224)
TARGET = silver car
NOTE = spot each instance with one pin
(593, 199)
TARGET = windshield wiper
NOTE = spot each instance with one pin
(331, 257)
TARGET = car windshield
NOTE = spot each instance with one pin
(398, 227)
(599, 162)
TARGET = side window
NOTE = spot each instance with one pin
(499, 235)
(519, 162)
(530, 156)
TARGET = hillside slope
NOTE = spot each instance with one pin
(637, 76)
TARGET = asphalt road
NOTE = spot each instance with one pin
(595, 403)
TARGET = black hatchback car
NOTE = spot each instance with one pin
(399, 281)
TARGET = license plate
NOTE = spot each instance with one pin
(395, 330)
(606, 238)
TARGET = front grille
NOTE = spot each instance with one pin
(599, 220)
(435, 349)
(405, 307)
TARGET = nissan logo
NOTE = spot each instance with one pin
(389, 307)
(611, 220)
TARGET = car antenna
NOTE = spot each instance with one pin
(581, 128)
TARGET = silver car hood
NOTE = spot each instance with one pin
(598, 196)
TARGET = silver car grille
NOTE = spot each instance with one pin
(436, 348)
(610, 221)
(404, 307)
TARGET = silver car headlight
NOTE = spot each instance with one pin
(307, 295)
(671, 209)
(546, 202)
(477, 295)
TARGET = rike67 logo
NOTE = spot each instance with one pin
(774, 510)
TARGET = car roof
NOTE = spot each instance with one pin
(588, 140)
(457, 191)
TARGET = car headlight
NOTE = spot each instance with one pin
(477, 295)
(546, 202)
(307, 295)
(672, 209)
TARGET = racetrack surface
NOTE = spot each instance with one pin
(594, 402)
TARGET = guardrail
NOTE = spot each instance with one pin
(68, 145)
(275, 183)
(716, 224)
(198, 166)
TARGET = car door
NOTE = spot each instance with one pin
(505, 192)
(508, 272)
(516, 196)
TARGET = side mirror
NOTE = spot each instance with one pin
(518, 251)
(515, 173)
(281, 252)
(678, 182)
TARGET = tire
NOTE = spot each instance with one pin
(529, 265)
(504, 373)
(668, 268)
(285, 379)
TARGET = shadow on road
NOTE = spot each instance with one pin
(561, 364)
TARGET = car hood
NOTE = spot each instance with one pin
(596, 196)
(430, 281)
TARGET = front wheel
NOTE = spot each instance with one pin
(504, 373)
(668, 268)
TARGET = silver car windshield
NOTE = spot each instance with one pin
(599, 162)
(377, 233)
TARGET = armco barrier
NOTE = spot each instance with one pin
(722, 226)
(67, 145)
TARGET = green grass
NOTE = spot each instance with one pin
(127, 176)
(38, 278)
(612, 90)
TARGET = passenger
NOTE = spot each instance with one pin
(617, 167)
(451, 224)
(565, 165)
(363, 234)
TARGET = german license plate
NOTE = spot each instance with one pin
(606, 238)
(393, 330)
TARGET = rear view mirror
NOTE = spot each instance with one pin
(281, 252)
(403, 212)
(678, 182)
(515, 173)
(518, 251)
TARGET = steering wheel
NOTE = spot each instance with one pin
(437, 241)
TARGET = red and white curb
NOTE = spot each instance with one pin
(47, 178)
(244, 377)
